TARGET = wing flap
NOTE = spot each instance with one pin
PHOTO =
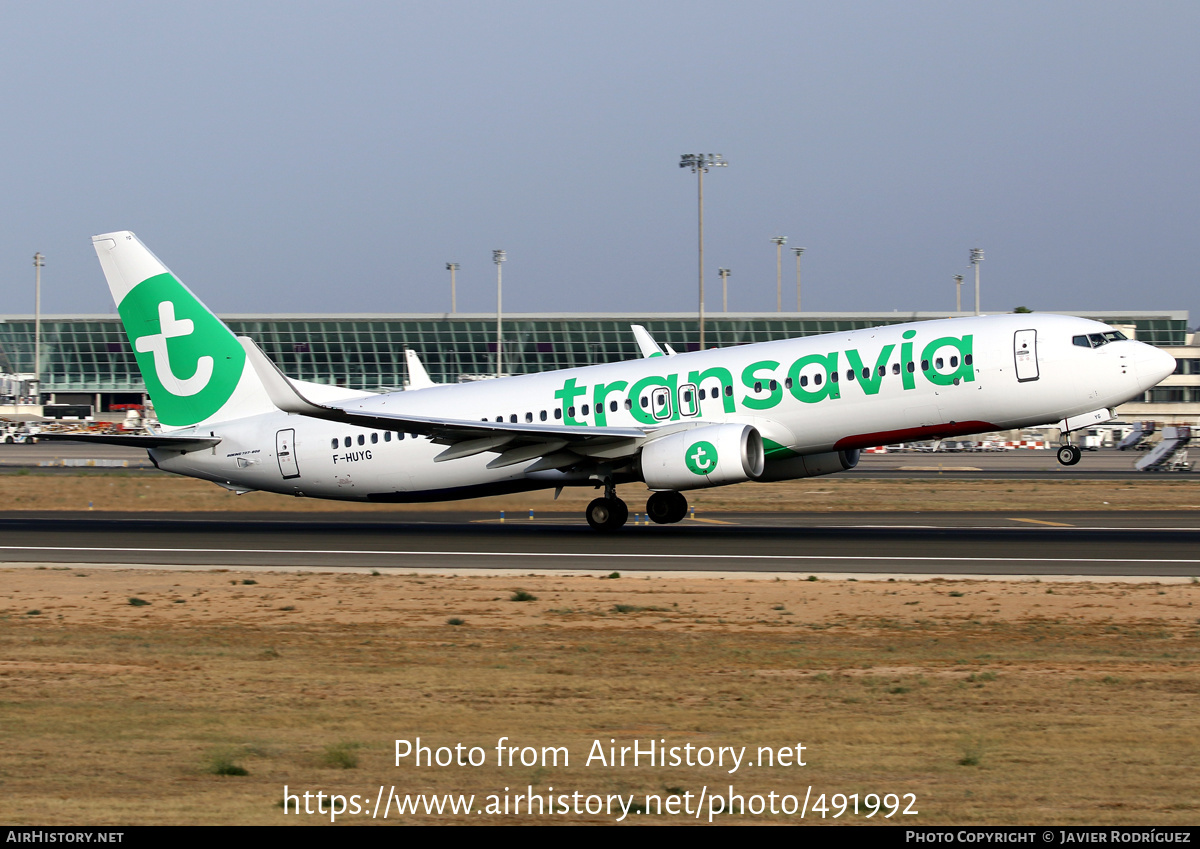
(471, 447)
(525, 453)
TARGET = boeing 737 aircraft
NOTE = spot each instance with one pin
(771, 411)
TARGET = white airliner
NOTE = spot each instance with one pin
(771, 411)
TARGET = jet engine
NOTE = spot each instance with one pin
(705, 456)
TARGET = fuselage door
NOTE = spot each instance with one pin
(689, 404)
(660, 403)
(285, 452)
(1025, 353)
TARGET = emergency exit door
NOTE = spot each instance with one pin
(1025, 354)
(285, 452)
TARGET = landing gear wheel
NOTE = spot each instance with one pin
(666, 508)
(607, 514)
(1069, 455)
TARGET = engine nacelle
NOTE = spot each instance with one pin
(810, 465)
(705, 456)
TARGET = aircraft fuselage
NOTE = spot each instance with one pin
(807, 396)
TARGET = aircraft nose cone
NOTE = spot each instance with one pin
(1153, 366)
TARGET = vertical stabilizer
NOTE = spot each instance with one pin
(194, 368)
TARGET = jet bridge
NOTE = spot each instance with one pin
(1170, 455)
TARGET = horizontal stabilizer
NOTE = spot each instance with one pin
(131, 440)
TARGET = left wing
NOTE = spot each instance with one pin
(557, 446)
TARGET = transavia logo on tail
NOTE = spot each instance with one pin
(190, 361)
(156, 345)
(701, 458)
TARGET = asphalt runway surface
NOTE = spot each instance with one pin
(1098, 544)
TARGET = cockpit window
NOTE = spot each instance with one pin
(1095, 340)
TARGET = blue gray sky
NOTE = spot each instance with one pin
(332, 157)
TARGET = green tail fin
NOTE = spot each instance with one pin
(194, 368)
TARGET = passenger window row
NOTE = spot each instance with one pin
(938, 364)
(529, 416)
(585, 410)
(715, 392)
(362, 439)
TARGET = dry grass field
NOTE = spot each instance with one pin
(124, 693)
(153, 491)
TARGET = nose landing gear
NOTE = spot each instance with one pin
(1069, 454)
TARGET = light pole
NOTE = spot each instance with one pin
(498, 257)
(976, 258)
(779, 241)
(38, 262)
(700, 163)
(452, 267)
(798, 252)
(724, 272)
(958, 279)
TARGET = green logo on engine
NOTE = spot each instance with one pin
(190, 361)
(701, 458)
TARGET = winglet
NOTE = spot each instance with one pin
(418, 378)
(645, 341)
(280, 390)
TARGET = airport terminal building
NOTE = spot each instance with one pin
(87, 360)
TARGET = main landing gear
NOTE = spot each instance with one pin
(608, 513)
(666, 508)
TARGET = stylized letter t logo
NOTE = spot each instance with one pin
(156, 344)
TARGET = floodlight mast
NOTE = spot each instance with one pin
(700, 163)
(798, 252)
(452, 267)
(498, 257)
(958, 279)
(38, 262)
(976, 258)
(779, 241)
(724, 272)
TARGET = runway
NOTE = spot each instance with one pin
(1148, 544)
